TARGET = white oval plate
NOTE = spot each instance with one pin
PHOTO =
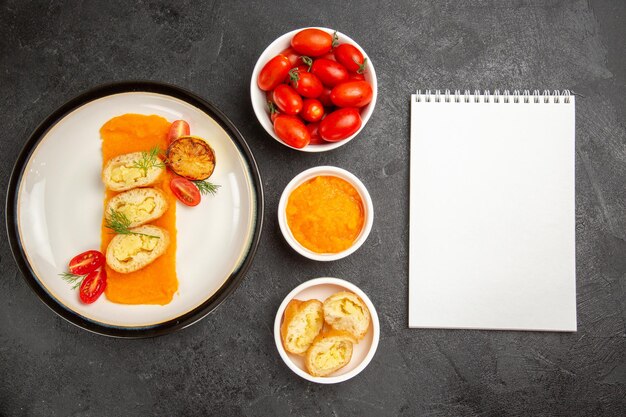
(55, 203)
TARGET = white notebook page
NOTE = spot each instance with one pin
(492, 214)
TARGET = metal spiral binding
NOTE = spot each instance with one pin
(485, 96)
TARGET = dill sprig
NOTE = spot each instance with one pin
(149, 159)
(73, 279)
(206, 187)
(119, 223)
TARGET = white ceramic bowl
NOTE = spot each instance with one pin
(362, 353)
(307, 175)
(259, 101)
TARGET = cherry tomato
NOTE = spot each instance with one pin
(274, 72)
(287, 99)
(312, 42)
(292, 131)
(305, 83)
(325, 97)
(93, 286)
(330, 56)
(292, 56)
(312, 110)
(340, 124)
(330, 73)
(185, 191)
(86, 262)
(352, 94)
(177, 129)
(313, 129)
(350, 57)
(355, 76)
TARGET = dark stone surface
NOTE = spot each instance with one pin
(227, 363)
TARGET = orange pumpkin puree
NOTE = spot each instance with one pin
(157, 282)
(325, 214)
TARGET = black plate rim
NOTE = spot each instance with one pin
(187, 319)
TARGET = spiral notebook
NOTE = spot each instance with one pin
(492, 211)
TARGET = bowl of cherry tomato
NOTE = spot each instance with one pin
(313, 89)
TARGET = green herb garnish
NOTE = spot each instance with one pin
(73, 279)
(120, 224)
(206, 187)
(149, 160)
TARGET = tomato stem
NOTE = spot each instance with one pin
(307, 61)
(361, 69)
(272, 107)
(294, 76)
(335, 40)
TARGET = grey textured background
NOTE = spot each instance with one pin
(227, 363)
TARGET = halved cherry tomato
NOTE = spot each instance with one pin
(340, 124)
(177, 129)
(287, 99)
(350, 57)
(313, 129)
(292, 56)
(86, 262)
(93, 286)
(274, 72)
(185, 191)
(305, 83)
(352, 94)
(312, 110)
(330, 73)
(325, 98)
(312, 42)
(292, 131)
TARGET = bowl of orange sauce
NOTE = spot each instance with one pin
(325, 213)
